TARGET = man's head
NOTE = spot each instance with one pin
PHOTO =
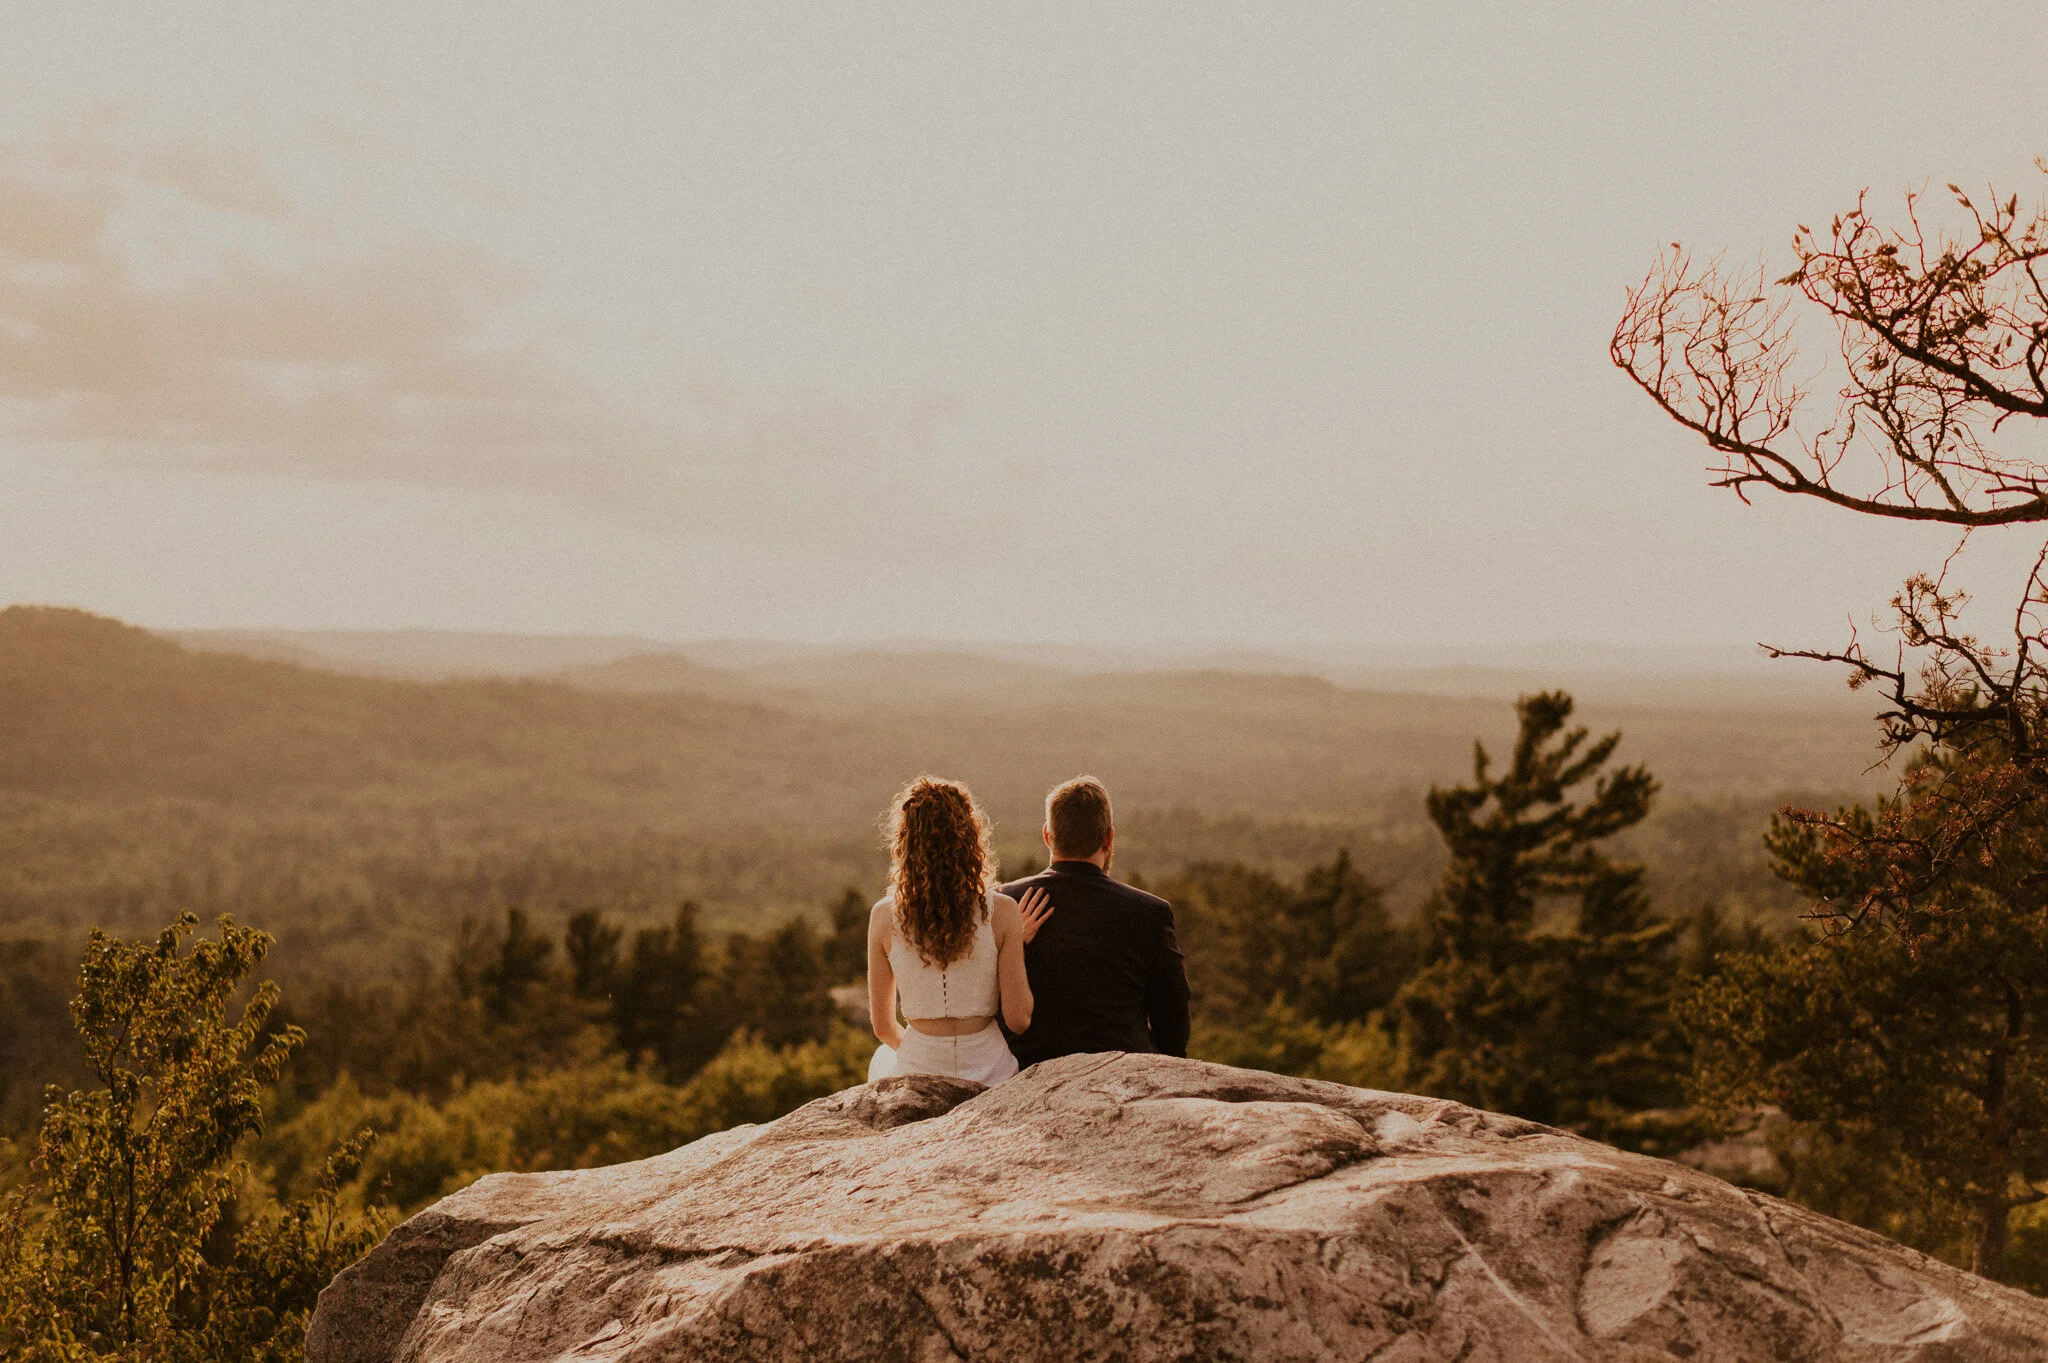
(1077, 826)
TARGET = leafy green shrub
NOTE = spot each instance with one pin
(599, 1112)
(1361, 1054)
(126, 1242)
(753, 1082)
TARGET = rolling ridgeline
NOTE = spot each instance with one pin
(360, 819)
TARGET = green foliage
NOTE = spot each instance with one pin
(1517, 837)
(1282, 1041)
(141, 1233)
(2026, 1249)
(128, 1245)
(751, 1081)
(1565, 1023)
(38, 1046)
(1289, 978)
(592, 948)
(659, 1008)
(845, 953)
(1331, 943)
(776, 986)
(505, 1007)
(1864, 1175)
(519, 965)
(1326, 947)
(1915, 1047)
(137, 1170)
(596, 1112)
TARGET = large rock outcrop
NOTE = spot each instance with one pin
(1124, 1206)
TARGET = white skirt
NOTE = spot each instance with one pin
(983, 1056)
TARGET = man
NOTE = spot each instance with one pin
(1105, 968)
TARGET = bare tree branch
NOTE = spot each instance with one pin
(1941, 337)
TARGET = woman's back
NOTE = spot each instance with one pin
(963, 988)
(940, 872)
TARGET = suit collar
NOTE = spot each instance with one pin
(1064, 867)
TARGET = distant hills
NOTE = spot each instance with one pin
(418, 654)
(255, 773)
(1678, 677)
(92, 708)
(95, 707)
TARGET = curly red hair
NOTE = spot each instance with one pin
(941, 867)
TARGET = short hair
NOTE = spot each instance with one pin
(1077, 812)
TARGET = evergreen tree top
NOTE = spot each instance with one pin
(1518, 835)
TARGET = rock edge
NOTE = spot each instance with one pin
(1130, 1206)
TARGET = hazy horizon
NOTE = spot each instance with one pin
(1502, 652)
(1165, 326)
(882, 673)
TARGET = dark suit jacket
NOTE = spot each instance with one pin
(1106, 970)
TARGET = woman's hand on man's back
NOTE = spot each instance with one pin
(1033, 909)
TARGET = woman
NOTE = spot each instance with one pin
(946, 943)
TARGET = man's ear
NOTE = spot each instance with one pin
(1108, 837)
(1046, 833)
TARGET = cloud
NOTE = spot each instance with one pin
(174, 304)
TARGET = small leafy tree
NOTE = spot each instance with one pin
(1919, 1045)
(128, 1248)
(1561, 1023)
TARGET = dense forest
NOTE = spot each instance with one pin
(361, 819)
(530, 925)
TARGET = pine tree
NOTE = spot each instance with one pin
(777, 985)
(1611, 1018)
(1334, 946)
(592, 946)
(520, 963)
(1324, 950)
(1564, 1023)
(846, 950)
(658, 1006)
(1913, 1043)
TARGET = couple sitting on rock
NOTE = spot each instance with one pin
(1070, 959)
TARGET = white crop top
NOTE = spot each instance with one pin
(964, 989)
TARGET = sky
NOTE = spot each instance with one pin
(1142, 323)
